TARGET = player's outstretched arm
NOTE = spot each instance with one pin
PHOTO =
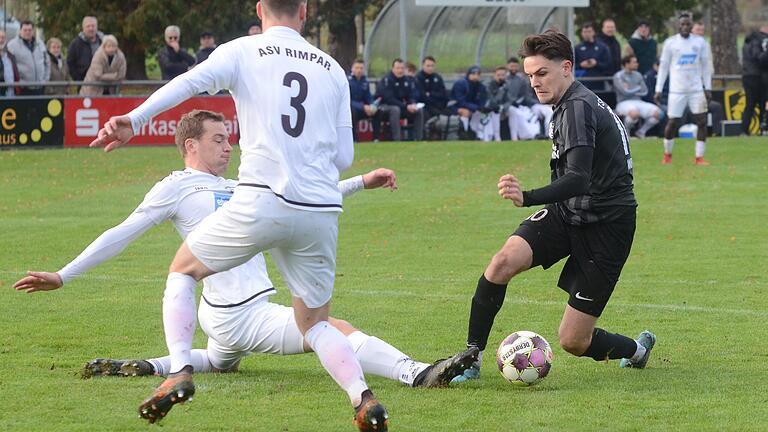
(380, 178)
(39, 281)
(115, 133)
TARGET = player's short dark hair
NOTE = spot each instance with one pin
(685, 15)
(430, 58)
(551, 44)
(283, 7)
(513, 59)
(191, 126)
(397, 60)
(626, 60)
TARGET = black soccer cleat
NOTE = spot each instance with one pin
(172, 391)
(370, 415)
(112, 367)
(442, 372)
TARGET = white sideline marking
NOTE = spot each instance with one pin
(468, 295)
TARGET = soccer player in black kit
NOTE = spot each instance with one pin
(589, 214)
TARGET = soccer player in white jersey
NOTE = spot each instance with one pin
(687, 60)
(235, 312)
(292, 100)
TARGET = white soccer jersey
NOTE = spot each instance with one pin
(687, 62)
(290, 98)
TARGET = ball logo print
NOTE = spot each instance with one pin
(524, 358)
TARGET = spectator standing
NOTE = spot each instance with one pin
(173, 59)
(398, 100)
(8, 71)
(363, 106)
(432, 92)
(59, 69)
(108, 65)
(643, 46)
(207, 45)
(755, 76)
(470, 96)
(608, 38)
(31, 58)
(630, 88)
(83, 47)
(593, 58)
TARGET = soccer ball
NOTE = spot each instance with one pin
(524, 358)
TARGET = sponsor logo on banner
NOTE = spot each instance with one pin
(85, 116)
(735, 102)
(31, 122)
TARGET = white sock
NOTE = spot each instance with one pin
(668, 144)
(380, 358)
(179, 314)
(338, 358)
(648, 124)
(200, 363)
(639, 353)
(465, 122)
(700, 147)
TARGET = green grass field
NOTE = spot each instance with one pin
(408, 262)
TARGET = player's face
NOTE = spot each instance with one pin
(513, 68)
(357, 70)
(684, 26)
(398, 69)
(213, 150)
(428, 67)
(549, 78)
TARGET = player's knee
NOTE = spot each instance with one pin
(343, 326)
(513, 258)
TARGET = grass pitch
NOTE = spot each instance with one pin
(408, 262)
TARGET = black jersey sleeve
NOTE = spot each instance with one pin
(575, 181)
(578, 125)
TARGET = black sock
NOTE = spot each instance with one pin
(485, 305)
(610, 346)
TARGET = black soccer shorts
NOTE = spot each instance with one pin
(596, 254)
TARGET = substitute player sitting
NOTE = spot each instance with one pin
(235, 313)
(293, 103)
(589, 214)
(630, 89)
(687, 60)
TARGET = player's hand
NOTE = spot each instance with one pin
(657, 98)
(368, 110)
(509, 188)
(708, 95)
(380, 178)
(39, 281)
(115, 133)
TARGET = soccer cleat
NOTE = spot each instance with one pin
(470, 373)
(646, 339)
(371, 415)
(172, 391)
(442, 372)
(111, 367)
(700, 161)
(667, 159)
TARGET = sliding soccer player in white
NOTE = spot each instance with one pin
(687, 60)
(235, 312)
(293, 103)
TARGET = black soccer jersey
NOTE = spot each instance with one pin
(582, 119)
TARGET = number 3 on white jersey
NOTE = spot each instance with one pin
(290, 127)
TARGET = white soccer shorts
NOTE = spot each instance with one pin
(697, 102)
(646, 109)
(255, 327)
(302, 243)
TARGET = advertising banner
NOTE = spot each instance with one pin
(85, 116)
(31, 123)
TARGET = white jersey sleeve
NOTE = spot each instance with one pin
(158, 205)
(351, 185)
(706, 61)
(666, 58)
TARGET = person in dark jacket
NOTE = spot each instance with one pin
(398, 100)
(9, 72)
(363, 105)
(83, 47)
(470, 96)
(593, 58)
(207, 45)
(755, 76)
(432, 92)
(644, 47)
(173, 59)
(608, 37)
